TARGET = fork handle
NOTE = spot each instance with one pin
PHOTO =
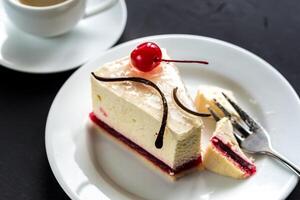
(283, 160)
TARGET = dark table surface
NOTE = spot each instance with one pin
(268, 28)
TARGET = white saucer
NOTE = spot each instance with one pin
(22, 52)
(88, 166)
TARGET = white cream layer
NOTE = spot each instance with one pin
(135, 110)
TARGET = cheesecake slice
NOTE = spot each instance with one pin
(224, 156)
(205, 98)
(131, 113)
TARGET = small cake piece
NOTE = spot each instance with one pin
(205, 98)
(131, 113)
(224, 156)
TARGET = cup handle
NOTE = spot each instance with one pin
(106, 4)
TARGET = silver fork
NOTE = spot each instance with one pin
(251, 136)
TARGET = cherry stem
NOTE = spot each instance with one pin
(185, 61)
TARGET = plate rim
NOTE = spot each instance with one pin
(12, 66)
(292, 182)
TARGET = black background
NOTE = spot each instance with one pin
(269, 28)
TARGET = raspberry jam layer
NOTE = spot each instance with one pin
(246, 166)
(164, 167)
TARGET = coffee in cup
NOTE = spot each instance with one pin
(48, 18)
(41, 3)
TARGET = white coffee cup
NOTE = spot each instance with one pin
(51, 20)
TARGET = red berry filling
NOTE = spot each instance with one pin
(164, 167)
(246, 166)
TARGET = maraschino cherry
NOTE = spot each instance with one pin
(147, 56)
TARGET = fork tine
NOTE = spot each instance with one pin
(238, 127)
(244, 132)
(223, 109)
(213, 114)
(238, 138)
(244, 116)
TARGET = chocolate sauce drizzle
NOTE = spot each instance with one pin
(183, 107)
(160, 134)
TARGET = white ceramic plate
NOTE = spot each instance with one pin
(88, 166)
(23, 52)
